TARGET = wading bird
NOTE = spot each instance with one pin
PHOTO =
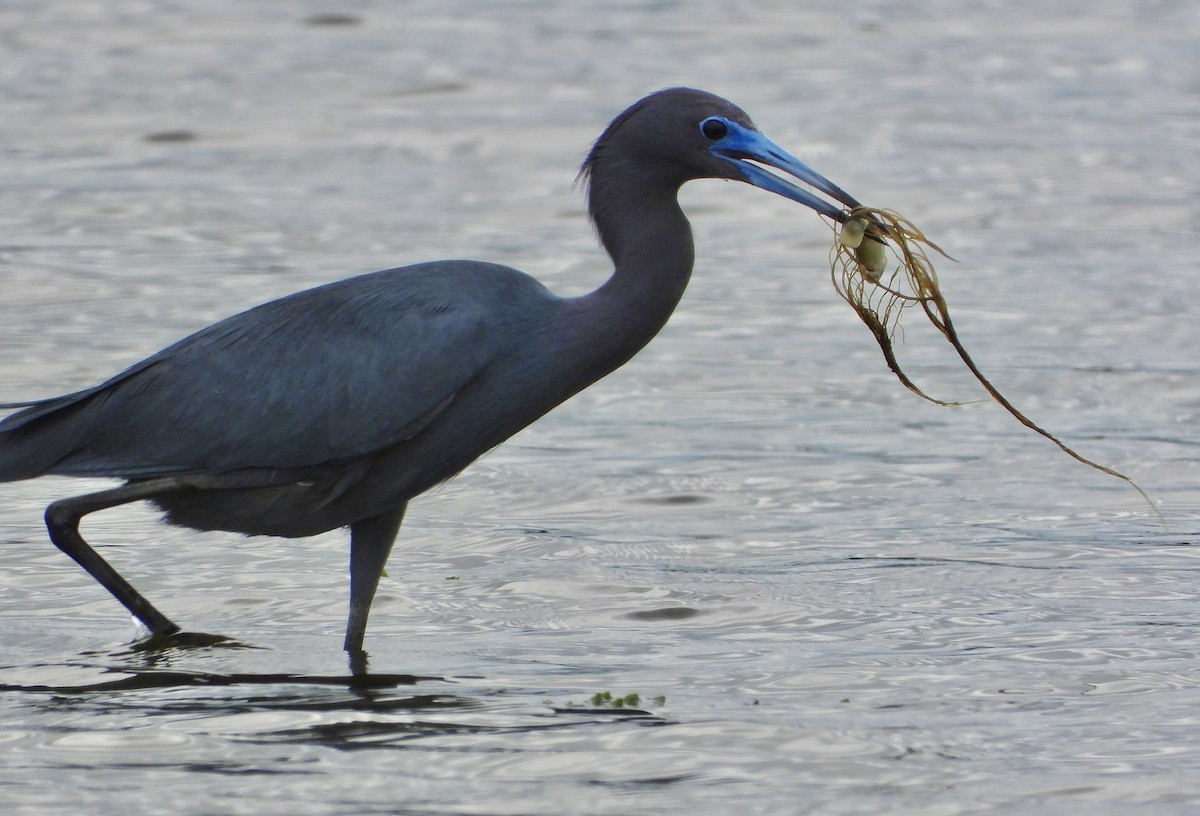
(335, 406)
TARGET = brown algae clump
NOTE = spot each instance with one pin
(858, 263)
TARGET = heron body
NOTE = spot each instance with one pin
(335, 406)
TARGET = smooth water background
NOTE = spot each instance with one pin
(852, 601)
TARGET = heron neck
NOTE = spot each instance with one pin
(650, 242)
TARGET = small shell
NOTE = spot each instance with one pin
(872, 258)
(852, 232)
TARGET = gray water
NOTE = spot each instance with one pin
(830, 596)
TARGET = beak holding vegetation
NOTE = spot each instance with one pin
(860, 258)
(748, 149)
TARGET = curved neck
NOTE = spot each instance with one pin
(650, 242)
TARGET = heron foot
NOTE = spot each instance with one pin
(160, 642)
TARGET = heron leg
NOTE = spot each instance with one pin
(370, 544)
(62, 522)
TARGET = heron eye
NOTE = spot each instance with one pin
(714, 129)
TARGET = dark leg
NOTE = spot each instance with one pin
(370, 543)
(62, 520)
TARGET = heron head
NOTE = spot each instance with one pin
(680, 134)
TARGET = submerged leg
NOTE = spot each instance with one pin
(370, 543)
(62, 521)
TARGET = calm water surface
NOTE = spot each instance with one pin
(830, 596)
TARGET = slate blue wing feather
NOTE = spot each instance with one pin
(328, 374)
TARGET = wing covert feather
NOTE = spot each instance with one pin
(328, 374)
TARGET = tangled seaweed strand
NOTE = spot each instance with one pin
(879, 299)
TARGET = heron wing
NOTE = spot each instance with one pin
(328, 374)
